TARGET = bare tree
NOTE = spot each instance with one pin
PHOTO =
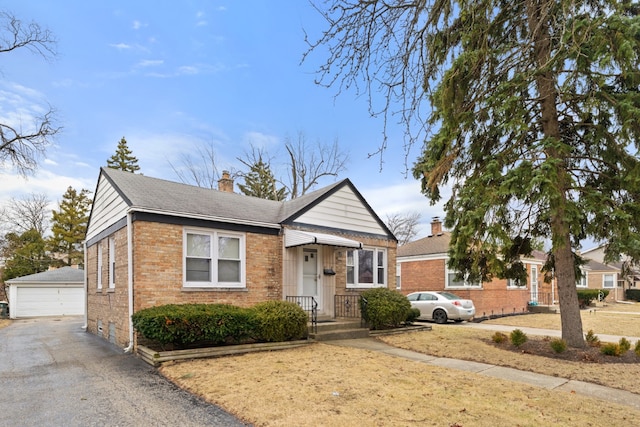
(27, 213)
(199, 169)
(404, 225)
(309, 163)
(22, 144)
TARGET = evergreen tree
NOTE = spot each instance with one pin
(25, 254)
(260, 182)
(534, 121)
(69, 226)
(123, 159)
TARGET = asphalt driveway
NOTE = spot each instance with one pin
(53, 373)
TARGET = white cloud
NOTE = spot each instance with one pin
(136, 25)
(403, 197)
(260, 139)
(150, 63)
(121, 46)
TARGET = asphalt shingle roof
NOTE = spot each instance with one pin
(60, 275)
(159, 195)
(436, 244)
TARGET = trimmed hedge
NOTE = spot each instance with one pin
(281, 321)
(632, 294)
(385, 308)
(585, 296)
(216, 324)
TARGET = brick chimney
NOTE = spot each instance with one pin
(436, 226)
(225, 183)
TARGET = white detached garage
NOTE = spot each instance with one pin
(57, 292)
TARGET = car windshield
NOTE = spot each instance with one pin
(449, 295)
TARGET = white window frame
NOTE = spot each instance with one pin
(399, 276)
(512, 284)
(213, 256)
(604, 281)
(465, 284)
(356, 274)
(583, 282)
(112, 263)
(99, 279)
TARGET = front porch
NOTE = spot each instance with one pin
(346, 322)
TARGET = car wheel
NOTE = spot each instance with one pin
(440, 316)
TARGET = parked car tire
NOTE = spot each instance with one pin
(440, 316)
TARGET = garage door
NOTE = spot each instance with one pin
(48, 301)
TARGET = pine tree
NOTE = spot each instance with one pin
(260, 182)
(123, 159)
(69, 226)
(528, 113)
(25, 254)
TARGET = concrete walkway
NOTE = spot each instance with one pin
(538, 380)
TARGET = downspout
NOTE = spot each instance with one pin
(86, 289)
(129, 348)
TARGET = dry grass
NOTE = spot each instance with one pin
(607, 320)
(324, 385)
(4, 323)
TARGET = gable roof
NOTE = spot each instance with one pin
(154, 195)
(59, 275)
(139, 193)
(430, 245)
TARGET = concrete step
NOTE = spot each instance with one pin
(335, 325)
(339, 334)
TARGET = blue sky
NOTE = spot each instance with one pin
(172, 76)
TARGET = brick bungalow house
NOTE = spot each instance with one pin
(422, 266)
(627, 275)
(152, 242)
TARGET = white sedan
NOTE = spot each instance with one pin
(442, 306)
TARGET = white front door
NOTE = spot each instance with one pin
(311, 286)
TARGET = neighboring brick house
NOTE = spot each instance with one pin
(597, 275)
(422, 266)
(627, 274)
(152, 242)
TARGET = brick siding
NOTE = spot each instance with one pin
(493, 298)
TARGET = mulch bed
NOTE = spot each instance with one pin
(541, 347)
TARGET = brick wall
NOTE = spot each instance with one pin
(158, 277)
(107, 307)
(493, 298)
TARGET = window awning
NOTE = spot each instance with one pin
(298, 238)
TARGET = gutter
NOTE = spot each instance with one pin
(129, 348)
(86, 289)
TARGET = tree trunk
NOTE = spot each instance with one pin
(569, 306)
(538, 18)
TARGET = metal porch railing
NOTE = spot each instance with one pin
(310, 305)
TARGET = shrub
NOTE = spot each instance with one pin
(498, 338)
(384, 308)
(592, 339)
(624, 344)
(414, 313)
(280, 321)
(637, 348)
(518, 337)
(632, 294)
(558, 345)
(184, 324)
(585, 296)
(611, 349)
